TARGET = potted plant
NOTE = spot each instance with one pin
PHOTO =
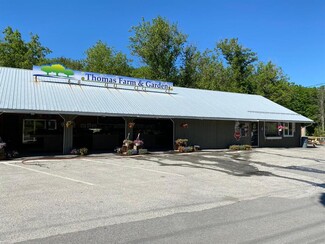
(181, 143)
(137, 142)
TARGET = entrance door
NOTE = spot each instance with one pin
(157, 134)
(254, 134)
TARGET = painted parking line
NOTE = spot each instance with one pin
(133, 167)
(11, 161)
(53, 175)
(42, 160)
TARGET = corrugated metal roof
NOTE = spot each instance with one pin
(20, 93)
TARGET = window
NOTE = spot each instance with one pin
(242, 128)
(51, 124)
(31, 128)
(288, 129)
(271, 130)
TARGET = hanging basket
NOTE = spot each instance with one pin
(131, 125)
(69, 124)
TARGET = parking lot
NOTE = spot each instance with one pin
(42, 197)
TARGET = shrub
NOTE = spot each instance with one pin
(82, 151)
(240, 147)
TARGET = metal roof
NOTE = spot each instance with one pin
(20, 93)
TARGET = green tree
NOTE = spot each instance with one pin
(66, 62)
(101, 58)
(189, 70)
(16, 53)
(240, 61)
(159, 44)
(270, 82)
(321, 102)
(212, 74)
(143, 72)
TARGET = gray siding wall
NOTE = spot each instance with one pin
(209, 134)
(283, 142)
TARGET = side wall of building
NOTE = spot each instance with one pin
(209, 134)
(283, 141)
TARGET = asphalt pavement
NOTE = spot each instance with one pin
(267, 195)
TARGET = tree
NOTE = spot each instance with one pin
(210, 71)
(321, 102)
(16, 53)
(66, 62)
(101, 58)
(159, 44)
(189, 73)
(240, 60)
(270, 82)
(143, 72)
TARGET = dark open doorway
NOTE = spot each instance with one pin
(157, 134)
(32, 134)
(254, 134)
(98, 134)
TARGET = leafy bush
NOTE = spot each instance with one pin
(240, 147)
(319, 132)
(82, 151)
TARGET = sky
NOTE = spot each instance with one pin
(290, 33)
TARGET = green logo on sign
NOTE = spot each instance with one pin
(57, 69)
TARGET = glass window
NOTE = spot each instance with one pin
(271, 129)
(288, 129)
(242, 128)
(51, 124)
(31, 128)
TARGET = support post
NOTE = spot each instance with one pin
(173, 134)
(127, 129)
(67, 133)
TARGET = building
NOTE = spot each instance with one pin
(43, 113)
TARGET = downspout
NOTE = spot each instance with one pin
(125, 128)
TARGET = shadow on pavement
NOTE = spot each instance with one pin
(238, 164)
(322, 199)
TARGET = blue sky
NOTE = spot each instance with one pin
(290, 33)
